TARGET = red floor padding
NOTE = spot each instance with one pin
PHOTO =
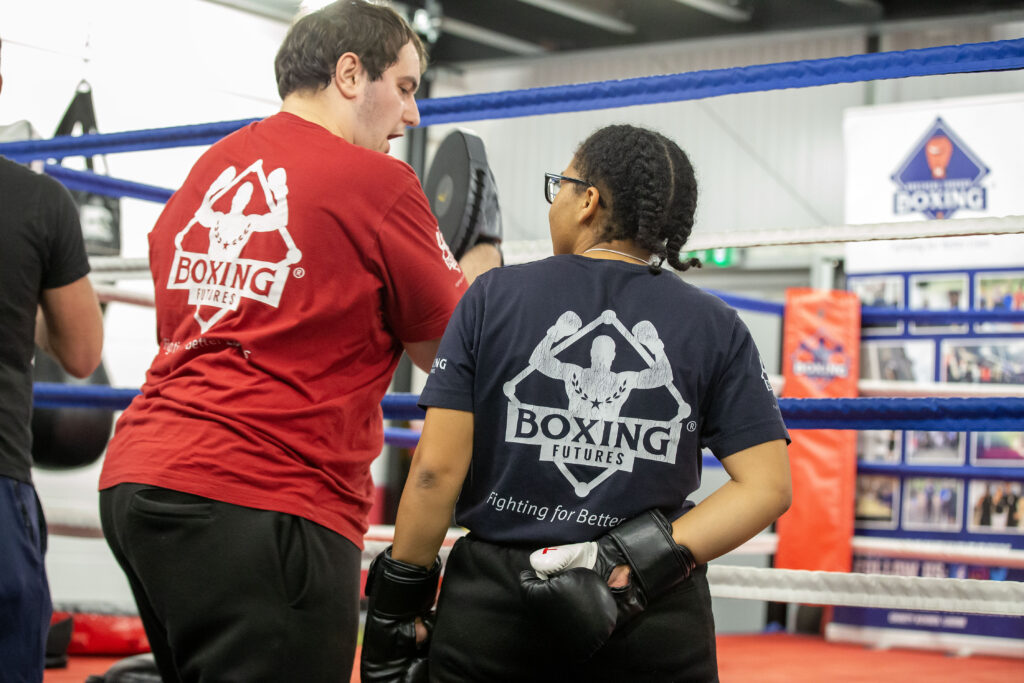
(774, 658)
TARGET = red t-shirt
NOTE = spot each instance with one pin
(288, 270)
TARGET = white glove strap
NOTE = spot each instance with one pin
(549, 561)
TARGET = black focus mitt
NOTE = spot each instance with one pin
(463, 194)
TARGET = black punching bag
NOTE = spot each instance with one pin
(64, 438)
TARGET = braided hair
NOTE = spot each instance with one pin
(651, 186)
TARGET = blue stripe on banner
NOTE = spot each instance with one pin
(916, 470)
(870, 314)
(87, 181)
(953, 59)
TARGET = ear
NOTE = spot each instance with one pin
(349, 75)
(590, 202)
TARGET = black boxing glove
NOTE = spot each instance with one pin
(399, 592)
(575, 606)
(656, 562)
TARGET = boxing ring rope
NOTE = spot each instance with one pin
(868, 590)
(947, 414)
(932, 61)
(525, 251)
(985, 413)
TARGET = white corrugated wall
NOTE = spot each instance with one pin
(764, 160)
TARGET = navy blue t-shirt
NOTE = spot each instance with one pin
(594, 386)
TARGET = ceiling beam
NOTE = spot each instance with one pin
(584, 15)
(485, 36)
(873, 5)
(263, 9)
(731, 10)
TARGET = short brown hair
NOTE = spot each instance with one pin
(310, 51)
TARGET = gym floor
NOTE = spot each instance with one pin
(770, 658)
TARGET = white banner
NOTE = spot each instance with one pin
(935, 160)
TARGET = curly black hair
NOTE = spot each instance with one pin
(650, 187)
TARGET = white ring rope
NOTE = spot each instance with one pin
(779, 585)
(884, 388)
(531, 250)
(108, 268)
(1005, 225)
(523, 251)
(974, 553)
(868, 590)
(108, 293)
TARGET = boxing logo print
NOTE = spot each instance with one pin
(592, 432)
(227, 266)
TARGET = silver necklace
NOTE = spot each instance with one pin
(620, 253)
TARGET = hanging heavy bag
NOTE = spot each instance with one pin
(101, 215)
(65, 438)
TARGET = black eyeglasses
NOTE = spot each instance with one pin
(553, 183)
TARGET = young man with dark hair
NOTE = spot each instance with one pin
(292, 269)
(47, 299)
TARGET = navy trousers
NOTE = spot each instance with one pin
(25, 606)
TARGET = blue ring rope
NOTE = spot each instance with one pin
(745, 303)
(952, 59)
(88, 181)
(935, 414)
(995, 55)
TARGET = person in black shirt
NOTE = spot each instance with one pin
(46, 298)
(567, 411)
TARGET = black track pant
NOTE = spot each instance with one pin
(483, 632)
(229, 593)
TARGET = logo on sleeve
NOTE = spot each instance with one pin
(446, 252)
(597, 430)
(237, 245)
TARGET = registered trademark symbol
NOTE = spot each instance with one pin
(299, 272)
(691, 426)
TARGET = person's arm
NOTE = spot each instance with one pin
(422, 353)
(474, 263)
(69, 326)
(439, 466)
(759, 490)
(479, 259)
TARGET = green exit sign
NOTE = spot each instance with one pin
(713, 257)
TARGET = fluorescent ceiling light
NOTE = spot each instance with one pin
(488, 37)
(584, 15)
(723, 9)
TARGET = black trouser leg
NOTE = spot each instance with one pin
(484, 633)
(229, 593)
